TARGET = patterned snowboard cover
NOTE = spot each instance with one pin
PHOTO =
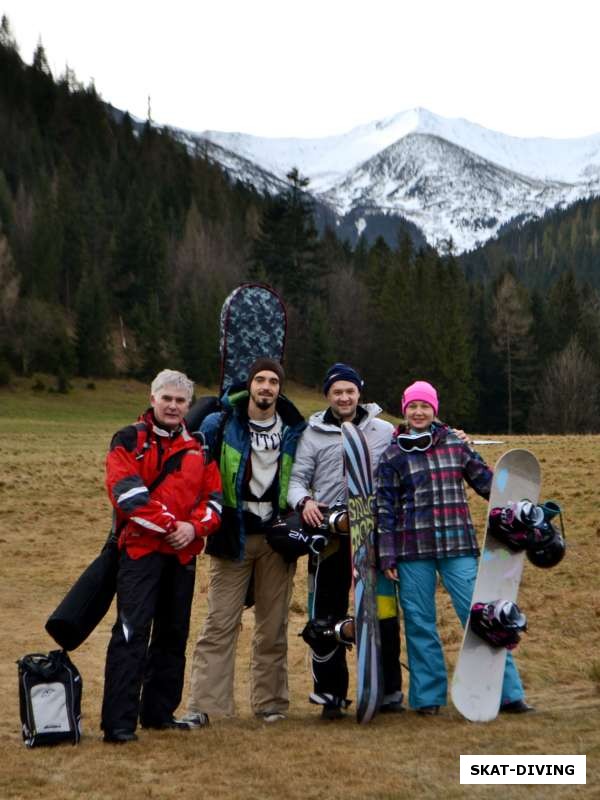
(253, 324)
(479, 671)
(369, 675)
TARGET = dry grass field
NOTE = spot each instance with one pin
(55, 516)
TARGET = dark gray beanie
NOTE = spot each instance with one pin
(342, 372)
(265, 363)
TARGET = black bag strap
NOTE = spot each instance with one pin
(225, 416)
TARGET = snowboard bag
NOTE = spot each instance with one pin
(204, 406)
(87, 602)
(49, 699)
(253, 323)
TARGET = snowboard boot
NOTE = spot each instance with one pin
(516, 707)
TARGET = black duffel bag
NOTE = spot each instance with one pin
(50, 689)
(87, 602)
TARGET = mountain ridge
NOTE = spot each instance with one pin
(452, 178)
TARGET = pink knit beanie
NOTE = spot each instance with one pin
(420, 390)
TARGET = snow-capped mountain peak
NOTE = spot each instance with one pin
(450, 177)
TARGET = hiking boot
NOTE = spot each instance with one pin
(516, 707)
(332, 712)
(394, 707)
(119, 736)
(168, 725)
(195, 720)
(271, 716)
(428, 711)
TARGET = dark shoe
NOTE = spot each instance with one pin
(428, 711)
(169, 725)
(516, 707)
(120, 736)
(395, 707)
(332, 712)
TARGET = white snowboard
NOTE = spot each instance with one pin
(479, 671)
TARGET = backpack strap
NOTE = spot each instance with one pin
(170, 465)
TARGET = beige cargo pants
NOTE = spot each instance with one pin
(213, 665)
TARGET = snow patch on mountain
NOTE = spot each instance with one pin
(451, 177)
(447, 191)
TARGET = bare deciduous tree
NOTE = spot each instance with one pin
(567, 397)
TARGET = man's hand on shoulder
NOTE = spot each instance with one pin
(464, 437)
(183, 534)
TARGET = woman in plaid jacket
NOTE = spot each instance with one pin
(425, 528)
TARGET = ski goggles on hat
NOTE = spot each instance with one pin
(414, 441)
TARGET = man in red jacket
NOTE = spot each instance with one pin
(167, 498)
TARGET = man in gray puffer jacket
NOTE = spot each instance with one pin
(317, 481)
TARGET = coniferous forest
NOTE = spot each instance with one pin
(118, 246)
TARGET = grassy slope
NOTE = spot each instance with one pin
(55, 516)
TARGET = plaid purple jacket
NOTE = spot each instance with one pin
(422, 509)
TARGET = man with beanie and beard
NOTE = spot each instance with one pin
(254, 440)
(317, 482)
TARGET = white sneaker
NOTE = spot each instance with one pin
(195, 720)
(271, 716)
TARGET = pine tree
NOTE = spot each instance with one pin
(42, 341)
(588, 329)
(287, 249)
(449, 318)
(390, 357)
(7, 40)
(406, 251)
(564, 311)
(511, 326)
(43, 276)
(141, 253)
(93, 348)
(40, 60)
(318, 354)
(9, 299)
(488, 363)
(150, 328)
(197, 329)
(379, 279)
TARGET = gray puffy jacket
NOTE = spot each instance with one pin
(318, 469)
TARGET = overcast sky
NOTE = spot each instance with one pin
(318, 67)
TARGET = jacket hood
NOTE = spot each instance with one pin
(236, 400)
(148, 418)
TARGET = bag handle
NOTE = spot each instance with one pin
(43, 664)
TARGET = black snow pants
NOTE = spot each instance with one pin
(146, 653)
(332, 581)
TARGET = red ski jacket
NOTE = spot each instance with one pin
(156, 478)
